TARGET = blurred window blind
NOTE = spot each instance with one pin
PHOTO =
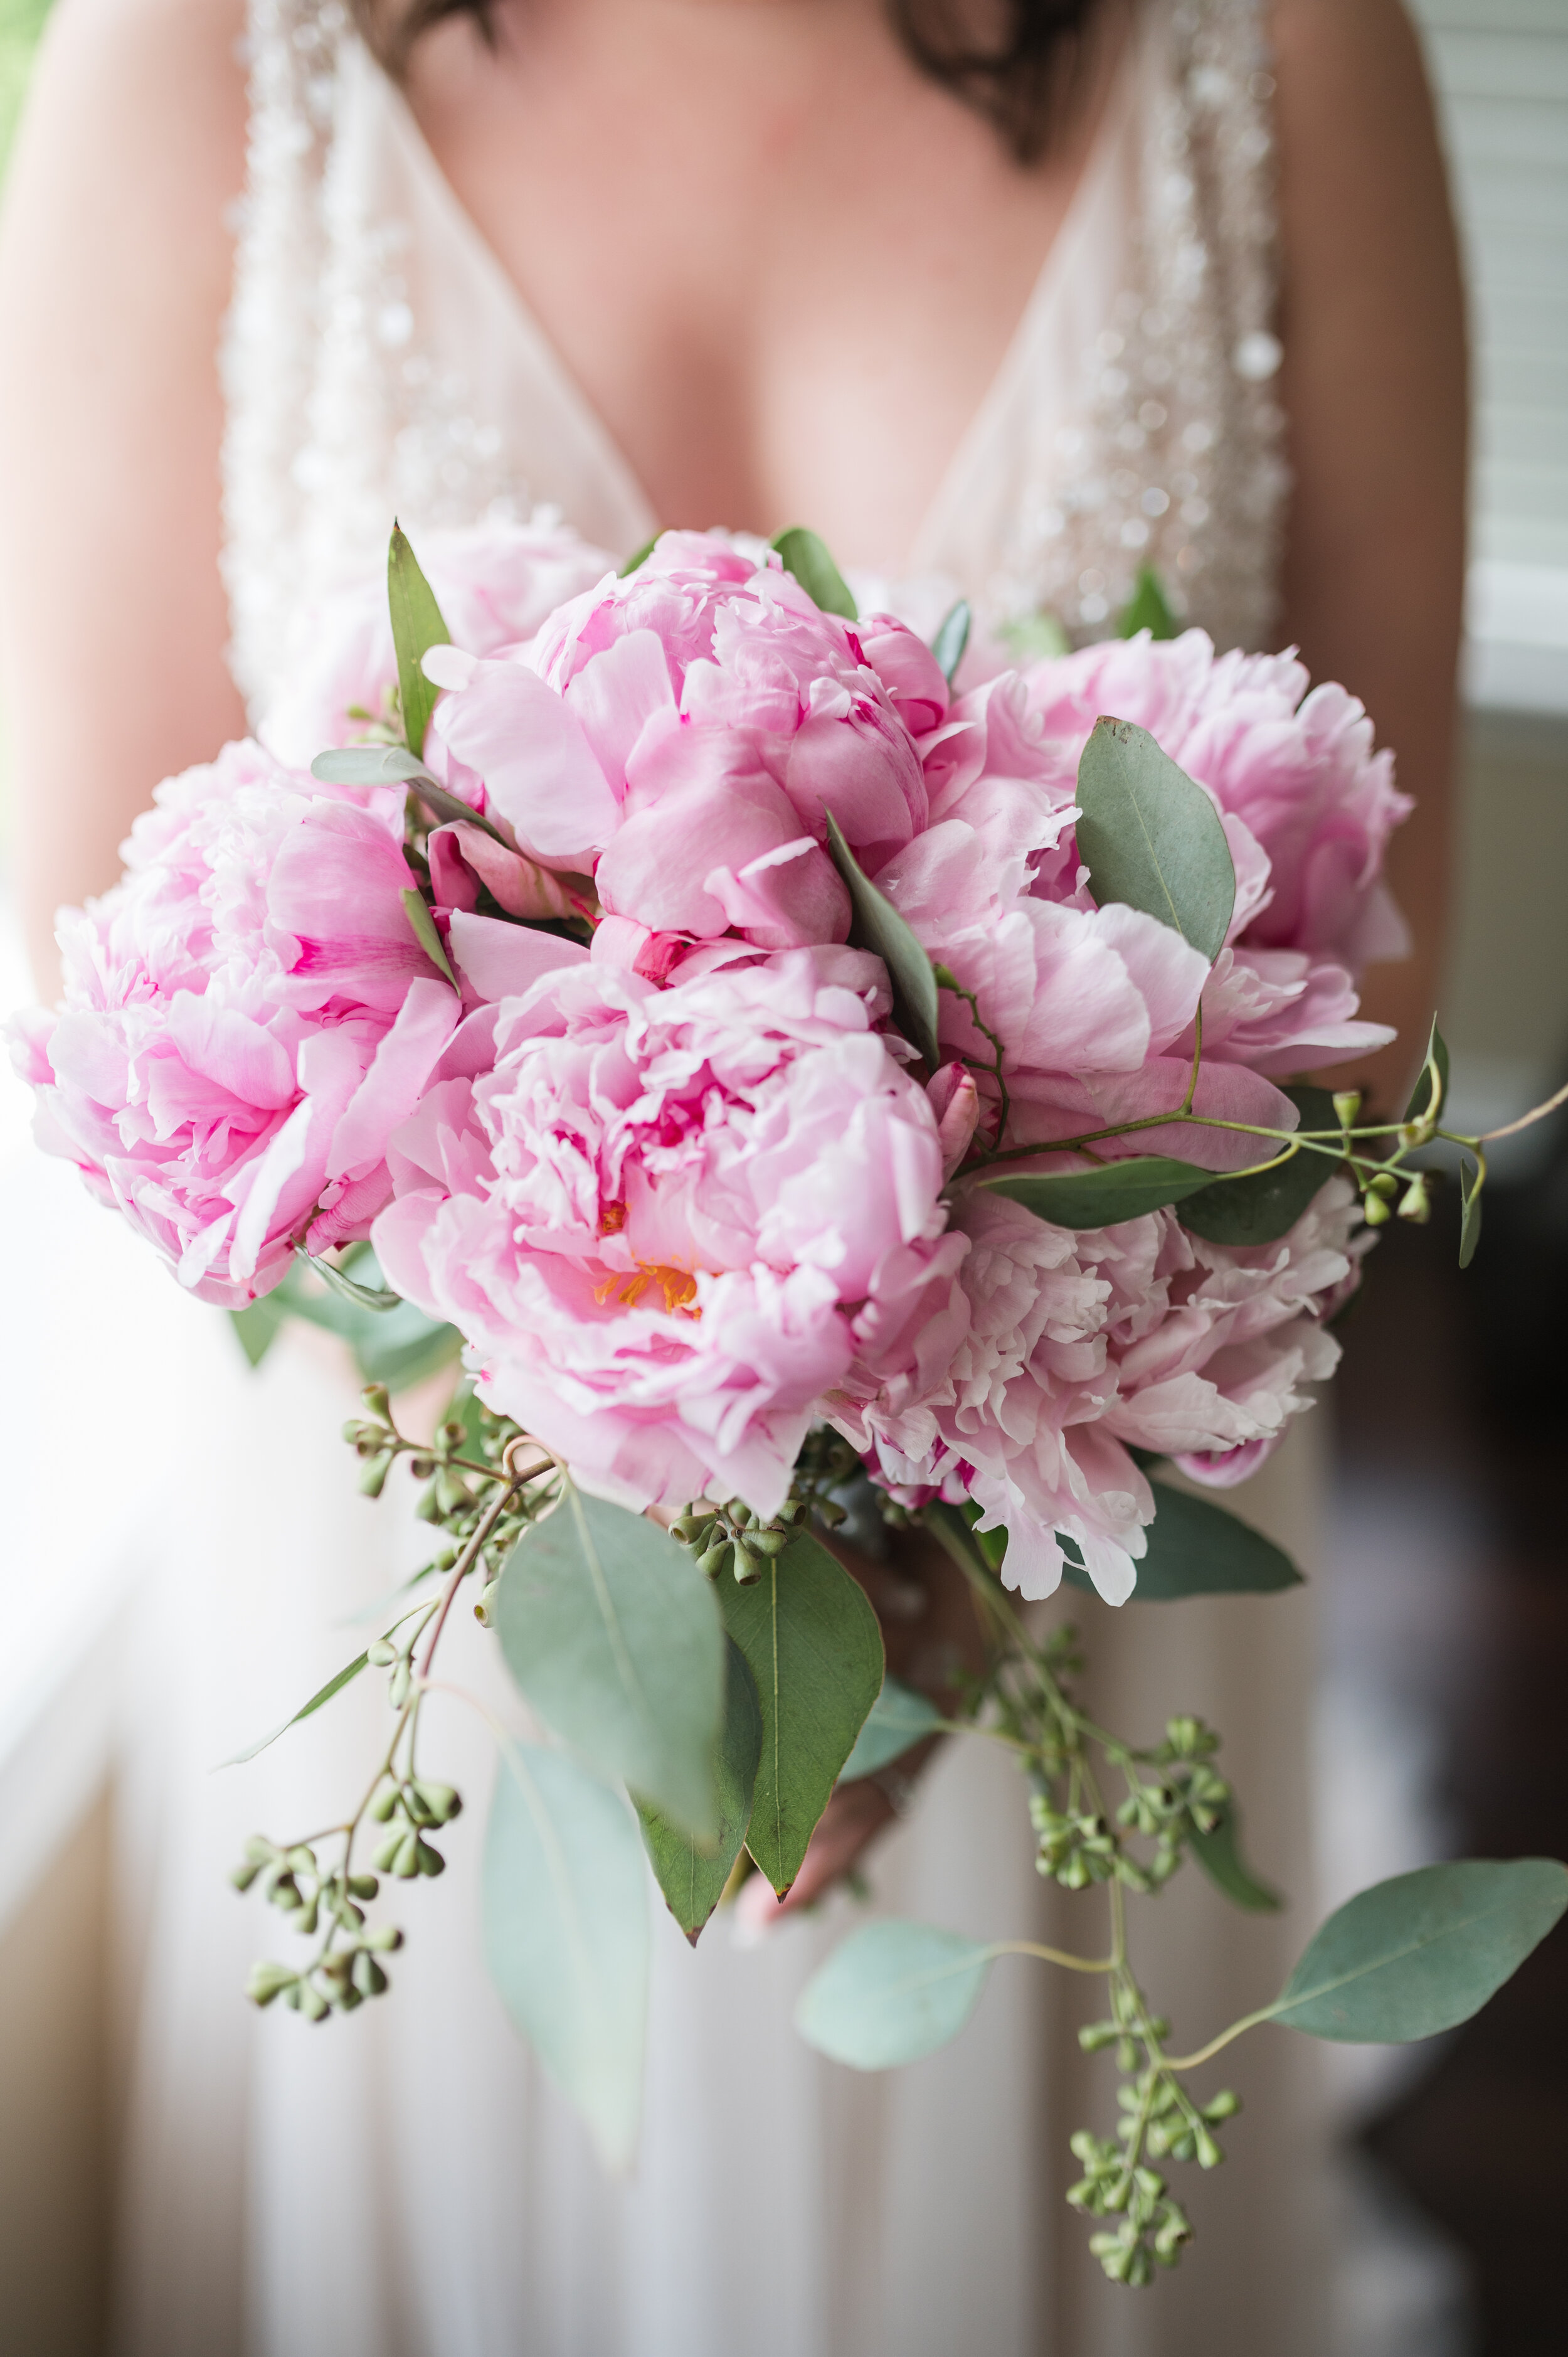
(1502, 71)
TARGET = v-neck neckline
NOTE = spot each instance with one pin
(574, 401)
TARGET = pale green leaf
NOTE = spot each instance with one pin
(1423, 1952)
(333, 1686)
(1102, 1197)
(421, 924)
(614, 1636)
(951, 639)
(1219, 1854)
(1266, 1204)
(1470, 1208)
(371, 765)
(364, 1296)
(1431, 1091)
(567, 1934)
(1147, 609)
(1199, 1548)
(1150, 838)
(892, 1993)
(876, 926)
(805, 557)
(417, 626)
(813, 1646)
(899, 1719)
(692, 1879)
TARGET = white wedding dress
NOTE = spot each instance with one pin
(406, 2183)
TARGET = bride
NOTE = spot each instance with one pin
(1013, 297)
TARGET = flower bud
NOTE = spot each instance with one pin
(373, 1480)
(1346, 1106)
(1209, 2153)
(1384, 1183)
(1223, 2106)
(1374, 1210)
(378, 1399)
(1415, 1204)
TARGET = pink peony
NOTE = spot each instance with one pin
(246, 1015)
(1071, 1348)
(494, 583)
(683, 734)
(668, 1221)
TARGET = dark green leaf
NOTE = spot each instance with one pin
(898, 1719)
(423, 926)
(892, 1993)
(634, 562)
(371, 765)
(1147, 609)
(692, 1879)
(878, 926)
(613, 1634)
(1470, 1211)
(1423, 1952)
(1266, 1204)
(1150, 838)
(1219, 1854)
(807, 558)
(364, 1296)
(1196, 1548)
(814, 1647)
(333, 1685)
(1103, 1197)
(417, 626)
(567, 1934)
(951, 639)
(1427, 1100)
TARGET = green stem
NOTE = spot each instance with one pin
(1206, 2053)
(1052, 1956)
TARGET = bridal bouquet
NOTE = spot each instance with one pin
(818, 1104)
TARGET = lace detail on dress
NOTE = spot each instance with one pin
(341, 415)
(1176, 460)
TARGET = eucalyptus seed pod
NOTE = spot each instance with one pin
(1374, 1210)
(1223, 2106)
(384, 1856)
(268, 1981)
(1346, 1106)
(363, 1886)
(716, 1559)
(767, 1542)
(484, 1610)
(427, 1860)
(346, 1997)
(242, 1877)
(306, 1921)
(422, 1466)
(405, 1863)
(384, 1938)
(312, 2004)
(1384, 1183)
(381, 1808)
(378, 1399)
(442, 1801)
(747, 1566)
(373, 1480)
(1415, 1204)
(400, 1684)
(284, 1891)
(380, 1655)
(1209, 2153)
(740, 1514)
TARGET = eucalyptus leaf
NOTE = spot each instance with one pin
(1219, 1854)
(813, 1646)
(364, 1296)
(421, 924)
(1150, 838)
(1470, 1208)
(952, 638)
(692, 1879)
(1427, 1101)
(899, 1719)
(614, 1636)
(1423, 1952)
(258, 1325)
(307, 1710)
(1264, 1205)
(1147, 609)
(640, 558)
(417, 626)
(567, 1934)
(369, 765)
(876, 926)
(805, 557)
(892, 1993)
(1196, 1548)
(452, 810)
(1101, 1197)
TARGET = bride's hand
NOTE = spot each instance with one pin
(932, 1635)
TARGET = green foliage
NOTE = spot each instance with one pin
(892, 1993)
(1423, 1952)
(813, 1646)
(348, 1288)
(397, 1347)
(1470, 1177)
(1035, 637)
(876, 925)
(807, 558)
(1196, 1548)
(1431, 1091)
(1219, 1852)
(1147, 609)
(421, 924)
(1150, 838)
(1266, 1204)
(898, 1719)
(334, 1685)
(1102, 1197)
(375, 765)
(692, 1879)
(614, 1636)
(952, 638)
(567, 1934)
(417, 626)
(637, 559)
